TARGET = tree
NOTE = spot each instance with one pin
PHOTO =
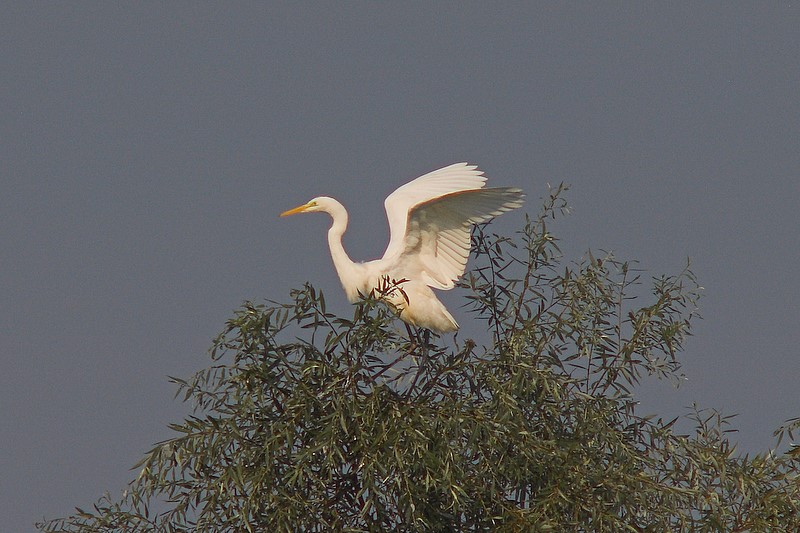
(309, 421)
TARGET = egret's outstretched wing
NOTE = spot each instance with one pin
(450, 179)
(437, 240)
(430, 221)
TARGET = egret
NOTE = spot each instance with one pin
(430, 224)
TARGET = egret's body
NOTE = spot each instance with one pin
(430, 222)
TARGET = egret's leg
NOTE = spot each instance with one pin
(421, 364)
(423, 337)
(426, 336)
(413, 339)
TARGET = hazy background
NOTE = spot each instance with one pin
(146, 150)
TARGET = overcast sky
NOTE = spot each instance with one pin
(146, 150)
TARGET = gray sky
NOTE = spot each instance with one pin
(147, 149)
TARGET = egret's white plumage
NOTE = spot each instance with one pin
(430, 222)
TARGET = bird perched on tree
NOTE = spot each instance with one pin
(430, 223)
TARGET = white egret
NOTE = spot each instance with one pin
(430, 223)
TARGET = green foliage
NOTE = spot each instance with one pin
(312, 422)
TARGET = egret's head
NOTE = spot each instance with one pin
(315, 204)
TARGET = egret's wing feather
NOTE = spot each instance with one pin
(437, 234)
(453, 178)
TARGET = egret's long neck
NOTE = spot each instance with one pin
(347, 270)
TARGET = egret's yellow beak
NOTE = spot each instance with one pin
(298, 209)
